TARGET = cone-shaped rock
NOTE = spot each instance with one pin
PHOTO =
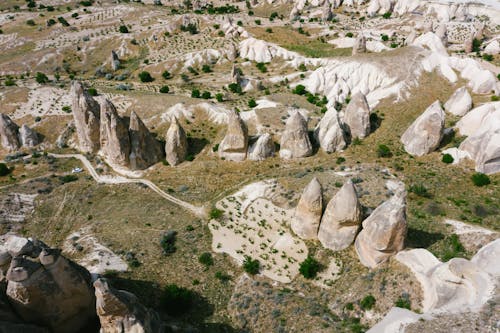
(145, 150)
(86, 114)
(357, 116)
(359, 45)
(459, 103)
(28, 137)
(115, 61)
(235, 144)
(9, 133)
(262, 148)
(115, 141)
(384, 231)
(426, 132)
(341, 220)
(326, 13)
(295, 141)
(308, 211)
(329, 134)
(176, 143)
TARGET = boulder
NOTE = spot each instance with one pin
(176, 143)
(359, 45)
(9, 133)
(329, 133)
(308, 211)
(426, 132)
(492, 48)
(120, 311)
(484, 148)
(384, 231)
(145, 150)
(357, 117)
(295, 141)
(28, 137)
(235, 144)
(459, 103)
(115, 61)
(262, 148)
(342, 218)
(115, 141)
(86, 113)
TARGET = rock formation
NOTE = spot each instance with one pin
(115, 61)
(442, 33)
(329, 133)
(176, 143)
(235, 75)
(115, 141)
(86, 112)
(359, 45)
(426, 132)
(234, 145)
(308, 211)
(327, 13)
(28, 137)
(262, 148)
(357, 117)
(9, 133)
(469, 42)
(295, 141)
(384, 231)
(145, 150)
(342, 218)
(120, 311)
(459, 103)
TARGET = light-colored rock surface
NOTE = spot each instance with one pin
(384, 231)
(308, 211)
(395, 321)
(115, 61)
(487, 258)
(145, 150)
(492, 48)
(342, 218)
(28, 137)
(9, 133)
(357, 117)
(235, 143)
(329, 133)
(176, 143)
(262, 148)
(295, 141)
(425, 133)
(115, 141)
(121, 312)
(86, 113)
(359, 45)
(459, 103)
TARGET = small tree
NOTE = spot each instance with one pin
(447, 158)
(300, 90)
(123, 29)
(41, 78)
(367, 302)
(195, 93)
(383, 151)
(164, 89)
(166, 75)
(251, 266)
(219, 97)
(480, 179)
(252, 103)
(167, 242)
(145, 77)
(4, 169)
(235, 88)
(309, 268)
(206, 68)
(206, 259)
(215, 213)
(206, 95)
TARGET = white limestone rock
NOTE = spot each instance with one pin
(357, 117)
(235, 144)
(86, 113)
(459, 103)
(329, 133)
(176, 143)
(263, 148)
(295, 141)
(308, 211)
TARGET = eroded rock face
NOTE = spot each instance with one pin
(326, 14)
(459, 103)
(308, 211)
(329, 133)
(145, 150)
(9, 133)
(484, 149)
(176, 143)
(342, 218)
(384, 231)
(426, 132)
(28, 137)
(120, 311)
(357, 117)
(235, 75)
(359, 45)
(86, 113)
(115, 141)
(295, 141)
(115, 61)
(235, 144)
(263, 148)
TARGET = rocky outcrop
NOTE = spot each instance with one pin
(459, 103)
(357, 117)
(9, 133)
(28, 137)
(262, 148)
(120, 311)
(86, 113)
(329, 133)
(327, 14)
(114, 137)
(426, 132)
(176, 143)
(442, 33)
(235, 144)
(295, 141)
(115, 61)
(145, 150)
(384, 231)
(469, 42)
(359, 45)
(342, 218)
(308, 211)
(235, 75)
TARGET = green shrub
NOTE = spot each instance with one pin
(167, 242)
(166, 75)
(367, 302)
(403, 302)
(384, 37)
(269, 30)
(66, 109)
(41, 78)
(195, 93)
(349, 34)
(251, 266)
(63, 21)
(51, 22)
(235, 88)
(480, 179)
(9, 82)
(495, 98)
(447, 158)
(215, 147)
(145, 77)
(92, 91)
(299, 90)
(206, 259)
(206, 68)
(452, 248)
(387, 15)
(4, 169)
(252, 103)
(222, 276)
(383, 151)
(123, 29)
(261, 67)
(420, 190)
(488, 57)
(215, 213)
(30, 23)
(175, 300)
(309, 268)
(219, 97)
(206, 95)
(340, 160)
(164, 89)
(68, 178)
